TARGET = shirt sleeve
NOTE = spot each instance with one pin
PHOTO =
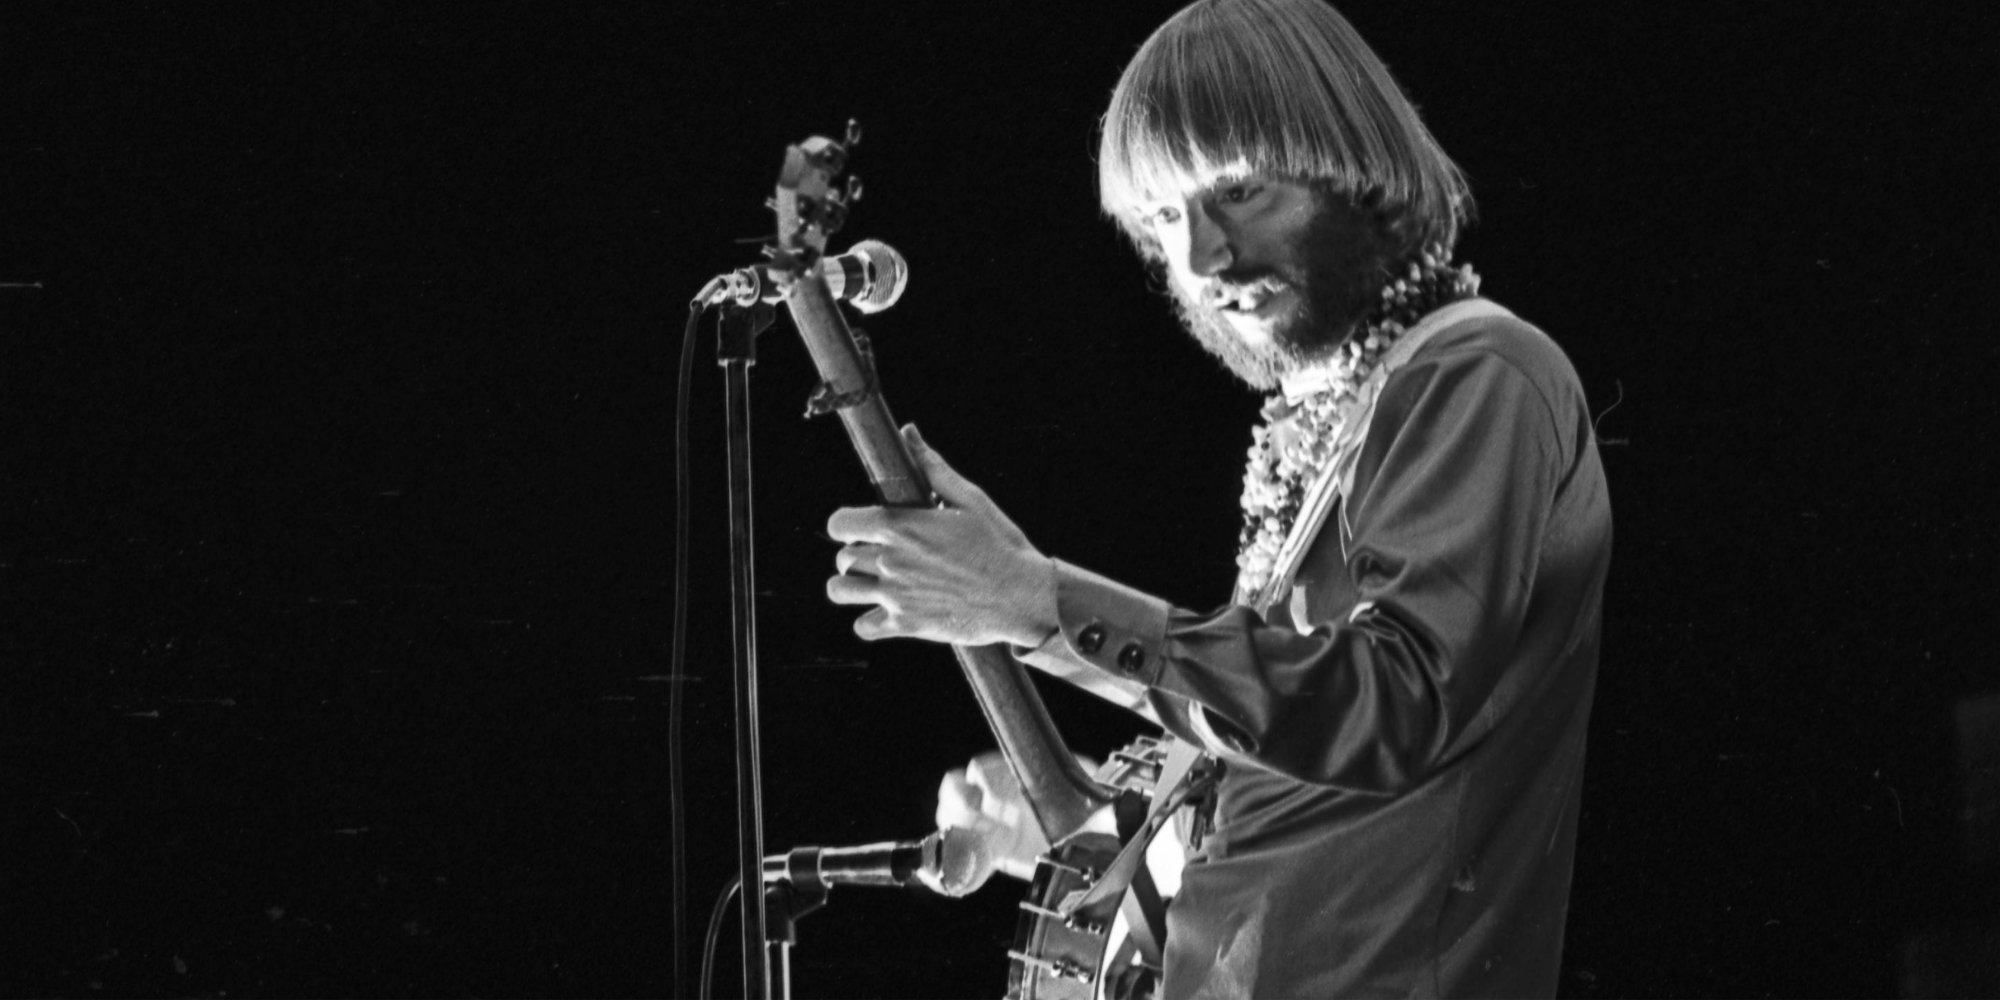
(1440, 536)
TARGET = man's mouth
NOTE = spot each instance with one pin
(1250, 298)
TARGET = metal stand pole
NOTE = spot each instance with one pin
(736, 352)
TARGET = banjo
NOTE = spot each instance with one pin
(1093, 920)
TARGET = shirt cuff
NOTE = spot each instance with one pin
(1107, 626)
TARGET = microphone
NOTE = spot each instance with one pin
(870, 275)
(952, 862)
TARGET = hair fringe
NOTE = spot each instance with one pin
(1281, 88)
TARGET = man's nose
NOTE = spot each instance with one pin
(1209, 245)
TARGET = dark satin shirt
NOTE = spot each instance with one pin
(1398, 813)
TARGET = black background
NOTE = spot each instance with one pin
(337, 483)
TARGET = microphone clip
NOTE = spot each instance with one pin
(825, 399)
(785, 903)
(736, 333)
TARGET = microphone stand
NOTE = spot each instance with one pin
(736, 351)
(785, 901)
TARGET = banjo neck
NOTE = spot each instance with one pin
(1058, 791)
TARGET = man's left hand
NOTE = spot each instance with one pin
(963, 574)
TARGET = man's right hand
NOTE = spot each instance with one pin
(983, 799)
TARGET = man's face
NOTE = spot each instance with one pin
(1265, 273)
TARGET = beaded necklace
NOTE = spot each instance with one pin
(1297, 439)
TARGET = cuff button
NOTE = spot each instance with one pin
(1090, 639)
(1132, 658)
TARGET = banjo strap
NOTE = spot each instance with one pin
(1145, 912)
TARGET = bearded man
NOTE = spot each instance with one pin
(1399, 688)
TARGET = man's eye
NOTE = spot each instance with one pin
(1166, 214)
(1237, 194)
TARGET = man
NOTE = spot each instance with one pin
(1399, 690)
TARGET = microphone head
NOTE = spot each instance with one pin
(885, 274)
(956, 862)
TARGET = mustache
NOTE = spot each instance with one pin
(1229, 285)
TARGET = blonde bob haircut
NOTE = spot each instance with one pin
(1278, 88)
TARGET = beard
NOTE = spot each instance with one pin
(1336, 264)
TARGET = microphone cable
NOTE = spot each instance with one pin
(715, 934)
(677, 668)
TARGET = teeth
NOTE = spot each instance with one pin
(1251, 296)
